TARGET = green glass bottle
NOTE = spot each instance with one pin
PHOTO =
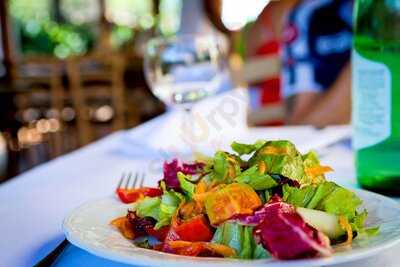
(376, 94)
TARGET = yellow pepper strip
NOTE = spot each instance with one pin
(202, 191)
(231, 200)
(201, 187)
(262, 167)
(347, 227)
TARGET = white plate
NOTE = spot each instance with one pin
(88, 228)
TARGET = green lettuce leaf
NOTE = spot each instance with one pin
(159, 208)
(170, 201)
(341, 202)
(322, 190)
(285, 161)
(220, 165)
(225, 166)
(241, 239)
(148, 207)
(333, 199)
(326, 196)
(296, 196)
(260, 252)
(311, 160)
(187, 187)
(267, 194)
(245, 149)
(255, 179)
(357, 224)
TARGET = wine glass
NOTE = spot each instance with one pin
(185, 69)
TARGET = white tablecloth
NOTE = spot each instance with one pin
(33, 205)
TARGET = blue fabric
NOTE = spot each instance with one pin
(317, 45)
(73, 256)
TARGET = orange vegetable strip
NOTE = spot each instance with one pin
(318, 170)
(347, 227)
(262, 167)
(274, 150)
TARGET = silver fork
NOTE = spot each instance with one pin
(126, 182)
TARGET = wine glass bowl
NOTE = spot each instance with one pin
(182, 70)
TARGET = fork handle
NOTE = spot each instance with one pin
(53, 255)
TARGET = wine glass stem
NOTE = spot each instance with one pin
(188, 126)
(187, 121)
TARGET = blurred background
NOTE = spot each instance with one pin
(71, 71)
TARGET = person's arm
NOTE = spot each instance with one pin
(322, 109)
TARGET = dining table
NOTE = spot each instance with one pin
(34, 204)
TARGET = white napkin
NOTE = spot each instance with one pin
(212, 122)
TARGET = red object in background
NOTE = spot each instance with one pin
(270, 88)
(132, 195)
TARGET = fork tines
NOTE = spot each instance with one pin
(127, 182)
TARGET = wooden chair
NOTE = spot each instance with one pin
(33, 74)
(96, 76)
(253, 71)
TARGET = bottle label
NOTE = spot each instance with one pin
(371, 101)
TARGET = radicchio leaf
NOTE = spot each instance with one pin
(251, 220)
(192, 168)
(140, 225)
(171, 169)
(285, 234)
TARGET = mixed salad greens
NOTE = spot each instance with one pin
(266, 199)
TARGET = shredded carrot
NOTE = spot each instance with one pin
(231, 172)
(262, 167)
(231, 160)
(347, 227)
(274, 150)
(317, 170)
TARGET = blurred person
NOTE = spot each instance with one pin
(266, 32)
(264, 38)
(316, 69)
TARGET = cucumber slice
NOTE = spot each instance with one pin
(322, 221)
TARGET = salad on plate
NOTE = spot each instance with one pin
(264, 200)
